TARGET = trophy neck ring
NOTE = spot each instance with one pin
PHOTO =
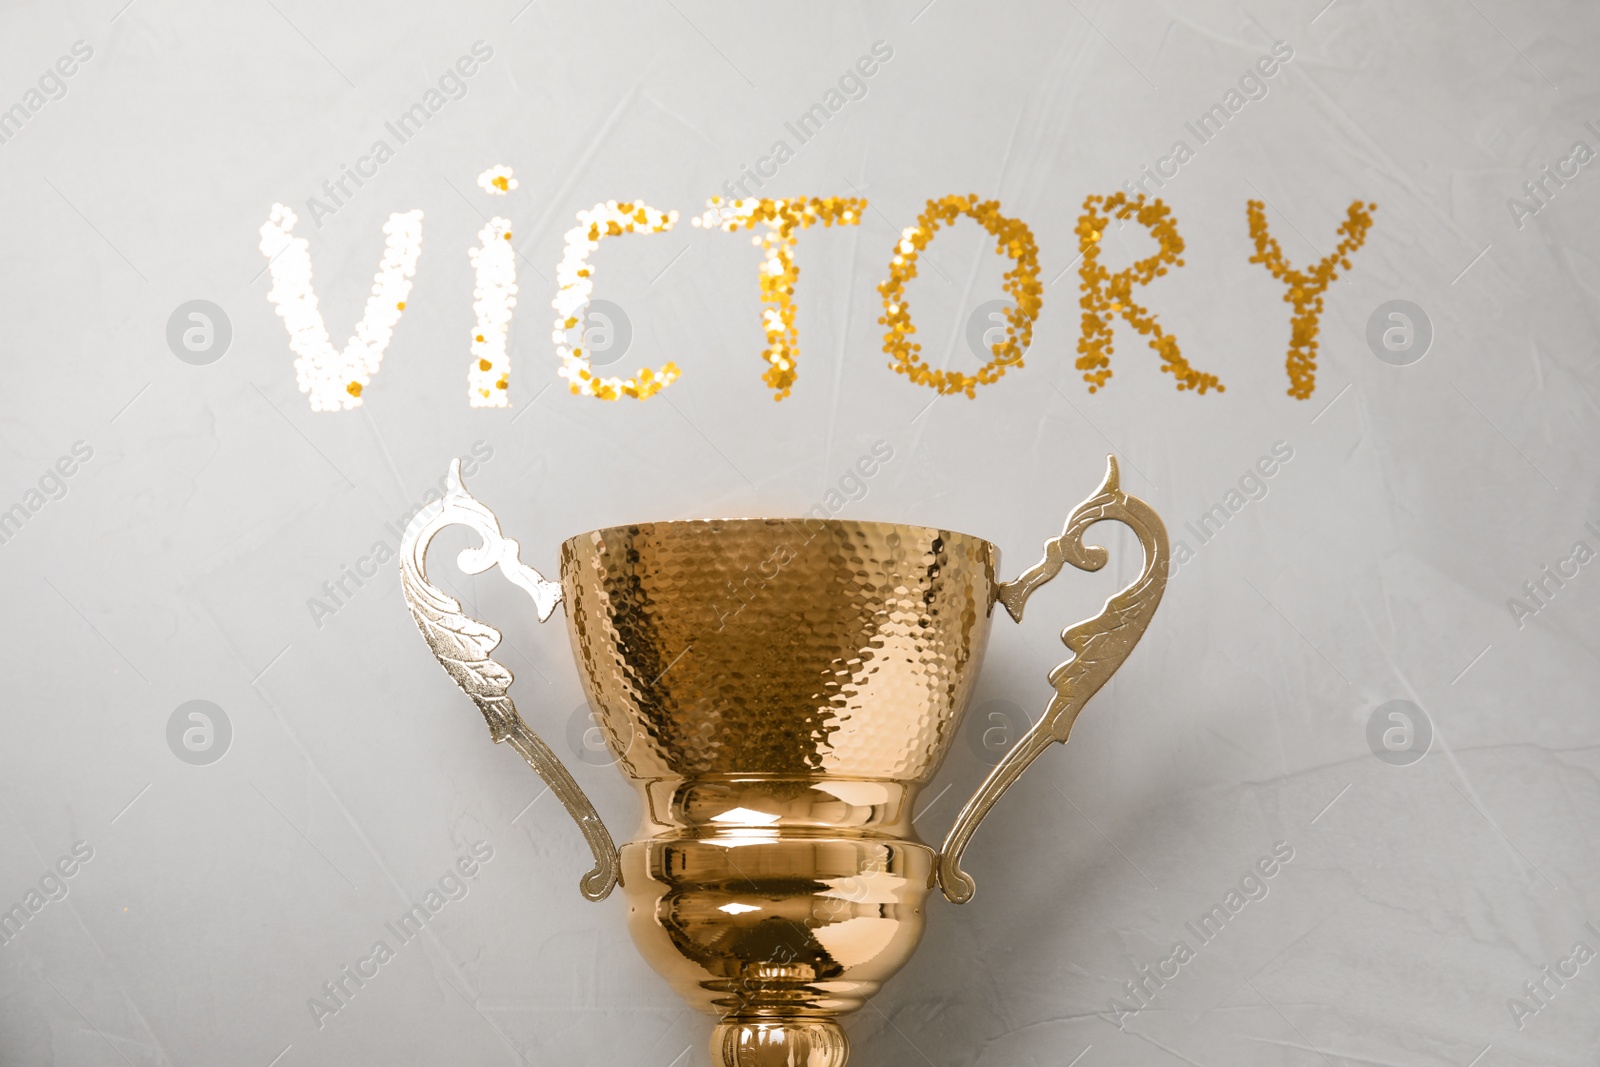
(740, 809)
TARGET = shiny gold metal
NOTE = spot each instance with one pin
(462, 645)
(1099, 646)
(779, 691)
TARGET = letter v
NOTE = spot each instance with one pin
(334, 379)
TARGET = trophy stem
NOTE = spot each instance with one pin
(776, 1042)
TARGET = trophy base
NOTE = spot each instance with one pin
(779, 1043)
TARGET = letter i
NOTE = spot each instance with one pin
(494, 296)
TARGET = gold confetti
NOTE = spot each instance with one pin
(1106, 295)
(497, 180)
(1012, 238)
(1305, 290)
(778, 274)
(494, 300)
(575, 277)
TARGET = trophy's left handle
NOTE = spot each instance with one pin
(462, 645)
(1100, 645)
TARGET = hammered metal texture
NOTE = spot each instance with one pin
(779, 690)
(778, 647)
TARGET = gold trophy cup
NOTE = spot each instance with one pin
(779, 691)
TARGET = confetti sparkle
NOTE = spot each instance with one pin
(494, 296)
(1106, 295)
(497, 180)
(779, 274)
(334, 379)
(1012, 238)
(576, 280)
(1305, 290)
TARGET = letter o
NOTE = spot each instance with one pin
(1012, 238)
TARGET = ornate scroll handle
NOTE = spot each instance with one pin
(1099, 645)
(462, 645)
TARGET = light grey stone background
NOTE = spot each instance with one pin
(177, 563)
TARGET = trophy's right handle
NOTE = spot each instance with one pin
(462, 645)
(1100, 645)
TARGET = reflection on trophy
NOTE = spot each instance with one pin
(779, 691)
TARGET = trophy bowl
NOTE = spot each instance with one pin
(779, 691)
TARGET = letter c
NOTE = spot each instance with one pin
(366, 974)
(1562, 570)
(1163, 973)
(1561, 168)
(1562, 972)
(361, 170)
(366, 574)
(765, 173)
(1161, 170)
(576, 274)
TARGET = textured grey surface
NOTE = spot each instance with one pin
(176, 563)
